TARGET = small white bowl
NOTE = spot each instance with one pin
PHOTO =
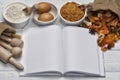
(71, 23)
(53, 11)
(20, 24)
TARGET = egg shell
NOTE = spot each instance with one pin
(46, 17)
(44, 7)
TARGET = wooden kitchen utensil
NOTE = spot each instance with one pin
(6, 57)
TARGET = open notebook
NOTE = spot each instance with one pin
(56, 51)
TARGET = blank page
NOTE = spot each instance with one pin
(43, 49)
(81, 50)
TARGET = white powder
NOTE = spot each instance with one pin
(14, 13)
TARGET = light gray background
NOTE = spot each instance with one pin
(111, 58)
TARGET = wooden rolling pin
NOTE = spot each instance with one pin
(14, 41)
(16, 51)
(12, 35)
(6, 57)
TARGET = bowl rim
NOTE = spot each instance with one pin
(6, 6)
(46, 22)
(85, 14)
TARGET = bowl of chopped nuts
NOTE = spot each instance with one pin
(72, 13)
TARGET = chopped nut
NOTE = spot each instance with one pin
(103, 49)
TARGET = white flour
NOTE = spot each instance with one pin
(14, 13)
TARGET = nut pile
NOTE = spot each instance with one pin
(106, 24)
(72, 11)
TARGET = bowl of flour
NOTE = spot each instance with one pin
(13, 14)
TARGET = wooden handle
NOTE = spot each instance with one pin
(3, 44)
(15, 42)
(12, 35)
(7, 34)
(16, 64)
(16, 36)
(4, 55)
(5, 38)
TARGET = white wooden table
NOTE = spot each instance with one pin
(111, 58)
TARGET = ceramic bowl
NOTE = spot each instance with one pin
(71, 23)
(16, 24)
(53, 11)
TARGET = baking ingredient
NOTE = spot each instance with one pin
(14, 13)
(46, 17)
(44, 7)
(6, 57)
(106, 24)
(72, 11)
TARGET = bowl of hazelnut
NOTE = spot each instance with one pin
(46, 13)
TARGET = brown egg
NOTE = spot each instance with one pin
(44, 7)
(45, 17)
